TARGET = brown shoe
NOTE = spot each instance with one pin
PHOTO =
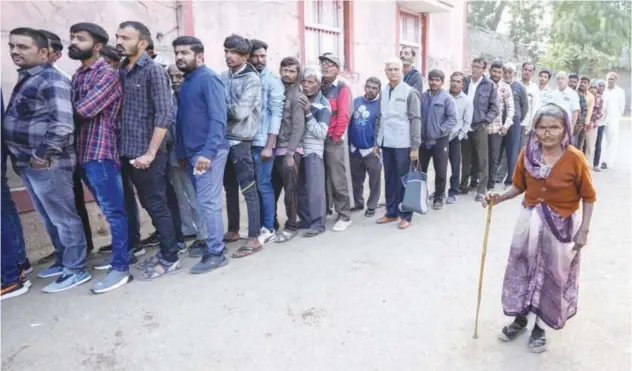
(386, 219)
(403, 224)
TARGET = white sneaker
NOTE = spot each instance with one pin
(266, 236)
(341, 225)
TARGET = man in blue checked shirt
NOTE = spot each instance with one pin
(38, 130)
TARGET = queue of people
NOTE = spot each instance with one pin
(174, 136)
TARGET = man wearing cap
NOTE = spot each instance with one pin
(339, 96)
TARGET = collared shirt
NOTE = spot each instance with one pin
(473, 85)
(97, 98)
(567, 99)
(506, 104)
(533, 91)
(464, 113)
(38, 121)
(146, 105)
(597, 113)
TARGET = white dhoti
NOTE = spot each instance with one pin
(611, 136)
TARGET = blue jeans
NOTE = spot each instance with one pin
(11, 220)
(52, 195)
(9, 257)
(208, 187)
(263, 173)
(103, 178)
(396, 163)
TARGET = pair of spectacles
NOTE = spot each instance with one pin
(554, 130)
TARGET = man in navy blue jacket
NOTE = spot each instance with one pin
(202, 146)
(362, 157)
(438, 115)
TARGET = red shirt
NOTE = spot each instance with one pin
(339, 96)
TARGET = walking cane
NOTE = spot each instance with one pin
(480, 277)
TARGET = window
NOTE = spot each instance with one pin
(324, 29)
(410, 30)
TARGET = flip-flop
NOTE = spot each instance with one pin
(246, 250)
(285, 236)
(311, 233)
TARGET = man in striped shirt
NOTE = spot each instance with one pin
(97, 96)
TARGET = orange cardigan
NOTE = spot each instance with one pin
(569, 183)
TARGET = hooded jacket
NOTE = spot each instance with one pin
(293, 119)
(243, 100)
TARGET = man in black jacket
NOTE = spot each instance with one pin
(474, 149)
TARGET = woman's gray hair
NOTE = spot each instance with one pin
(313, 71)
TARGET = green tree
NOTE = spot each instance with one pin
(588, 37)
(526, 26)
(486, 14)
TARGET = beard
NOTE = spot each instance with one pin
(187, 67)
(80, 54)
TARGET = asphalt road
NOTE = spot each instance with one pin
(371, 298)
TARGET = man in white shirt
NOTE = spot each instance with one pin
(565, 97)
(614, 102)
(533, 93)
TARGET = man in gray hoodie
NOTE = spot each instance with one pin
(243, 98)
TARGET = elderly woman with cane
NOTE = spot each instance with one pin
(542, 272)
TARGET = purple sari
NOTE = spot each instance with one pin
(542, 270)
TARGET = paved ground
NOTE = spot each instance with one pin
(372, 298)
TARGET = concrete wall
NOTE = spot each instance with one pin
(446, 39)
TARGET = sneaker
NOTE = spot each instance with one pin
(463, 191)
(25, 267)
(438, 205)
(67, 281)
(451, 199)
(13, 289)
(104, 265)
(209, 263)
(107, 249)
(604, 166)
(512, 331)
(53, 271)
(139, 250)
(369, 213)
(197, 249)
(266, 236)
(341, 225)
(479, 197)
(596, 169)
(182, 248)
(25, 280)
(112, 281)
(357, 208)
(431, 196)
(150, 241)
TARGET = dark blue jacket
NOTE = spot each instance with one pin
(438, 116)
(486, 106)
(362, 124)
(201, 117)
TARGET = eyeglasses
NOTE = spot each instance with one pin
(327, 64)
(553, 130)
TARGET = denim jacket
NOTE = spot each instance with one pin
(272, 100)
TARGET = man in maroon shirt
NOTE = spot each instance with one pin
(338, 94)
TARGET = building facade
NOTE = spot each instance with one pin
(363, 33)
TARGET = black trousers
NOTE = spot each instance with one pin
(439, 155)
(360, 166)
(495, 142)
(454, 155)
(80, 203)
(474, 157)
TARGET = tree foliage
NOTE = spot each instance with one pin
(486, 14)
(526, 25)
(588, 37)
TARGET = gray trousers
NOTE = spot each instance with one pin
(311, 193)
(336, 176)
(360, 166)
(192, 221)
(475, 155)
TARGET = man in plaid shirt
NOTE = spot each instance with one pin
(501, 125)
(97, 99)
(146, 115)
(39, 135)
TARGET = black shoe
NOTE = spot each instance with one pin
(473, 187)
(107, 249)
(150, 241)
(479, 197)
(369, 213)
(604, 166)
(329, 212)
(25, 268)
(14, 289)
(512, 331)
(357, 208)
(463, 191)
(438, 205)
(537, 341)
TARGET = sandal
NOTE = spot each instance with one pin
(246, 250)
(311, 233)
(161, 269)
(231, 237)
(284, 236)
